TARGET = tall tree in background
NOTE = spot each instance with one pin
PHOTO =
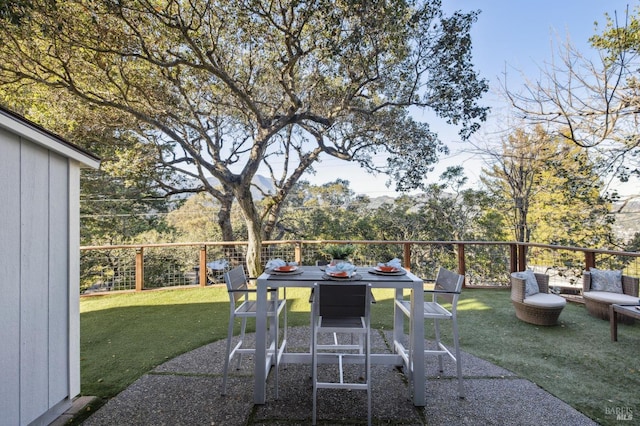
(551, 190)
(226, 89)
(593, 103)
(567, 208)
(512, 176)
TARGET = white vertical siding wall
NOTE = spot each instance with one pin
(9, 279)
(74, 279)
(38, 282)
(58, 279)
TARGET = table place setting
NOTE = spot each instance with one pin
(343, 271)
(392, 267)
(281, 267)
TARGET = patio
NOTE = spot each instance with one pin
(186, 390)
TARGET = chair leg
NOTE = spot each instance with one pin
(314, 371)
(368, 372)
(458, 358)
(243, 327)
(436, 326)
(363, 341)
(276, 348)
(284, 334)
(227, 359)
(284, 329)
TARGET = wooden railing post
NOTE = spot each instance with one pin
(139, 269)
(589, 260)
(513, 258)
(297, 253)
(462, 264)
(406, 255)
(203, 267)
(522, 257)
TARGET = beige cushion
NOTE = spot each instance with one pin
(545, 300)
(609, 297)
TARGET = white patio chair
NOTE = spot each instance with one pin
(448, 286)
(342, 308)
(241, 306)
(336, 337)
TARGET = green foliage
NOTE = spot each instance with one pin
(194, 220)
(330, 212)
(619, 39)
(339, 251)
(445, 212)
(224, 89)
(549, 191)
(567, 208)
(633, 244)
(14, 11)
(112, 212)
(454, 213)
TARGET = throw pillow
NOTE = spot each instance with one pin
(610, 281)
(531, 284)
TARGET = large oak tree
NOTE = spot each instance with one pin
(227, 89)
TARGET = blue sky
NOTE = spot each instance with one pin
(519, 36)
(521, 33)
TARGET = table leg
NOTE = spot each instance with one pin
(417, 344)
(398, 319)
(613, 322)
(260, 379)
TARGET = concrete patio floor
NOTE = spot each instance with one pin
(186, 391)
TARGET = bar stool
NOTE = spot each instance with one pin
(342, 308)
(242, 307)
(448, 286)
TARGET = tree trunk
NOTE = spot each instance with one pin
(224, 217)
(254, 230)
(254, 263)
(224, 223)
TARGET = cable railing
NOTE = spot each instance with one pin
(483, 263)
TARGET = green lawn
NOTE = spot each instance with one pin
(126, 335)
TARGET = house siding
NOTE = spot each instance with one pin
(36, 280)
(58, 278)
(10, 278)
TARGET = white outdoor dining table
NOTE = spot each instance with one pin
(313, 274)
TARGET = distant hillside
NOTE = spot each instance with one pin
(375, 202)
(627, 214)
